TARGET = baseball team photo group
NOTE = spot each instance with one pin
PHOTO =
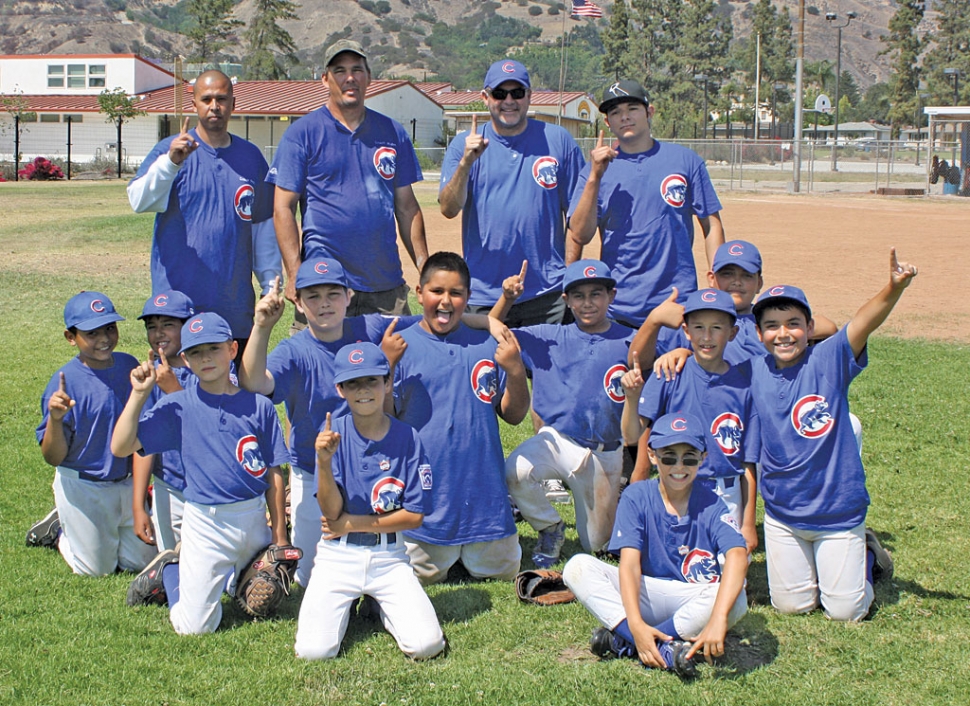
(562, 428)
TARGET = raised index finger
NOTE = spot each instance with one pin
(525, 266)
(185, 125)
(62, 385)
(474, 125)
(599, 142)
(389, 331)
(636, 362)
(326, 424)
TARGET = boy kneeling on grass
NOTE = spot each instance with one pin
(683, 562)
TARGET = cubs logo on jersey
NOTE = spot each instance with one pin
(386, 494)
(243, 202)
(545, 170)
(484, 380)
(726, 430)
(700, 566)
(385, 161)
(810, 417)
(611, 382)
(673, 189)
(247, 453)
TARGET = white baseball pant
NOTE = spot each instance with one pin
(168, 506)
(344, 572)
(807, 568)
(496, 559)
(217, 541)
(305, 517)
(593, 476)
(97, 525)
(597, 586)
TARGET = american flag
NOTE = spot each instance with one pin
(586, 8)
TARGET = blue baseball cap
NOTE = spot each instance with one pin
(321, 270)
(678, 428)
(171, 303)
(359, 360)
(585, 271)
(87, 311)
(207, 327)
(738, 252)
(506, 70)
(713, 299)
(781, 293)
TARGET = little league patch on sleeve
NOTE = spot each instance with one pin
(729, 520)
(424, 470)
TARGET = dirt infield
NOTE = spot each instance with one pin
(836, 248)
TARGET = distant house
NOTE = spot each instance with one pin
(849, 132)
(62, 90)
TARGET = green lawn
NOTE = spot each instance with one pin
(71, 640)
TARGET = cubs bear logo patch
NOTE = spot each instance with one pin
(611, 383)
(385, 495)
(726, 430)
(699, 566)
(484, 380)
(385, 161)
(810, 417)
(673, 189)
(247, 453)
(243, 202)
(545, 170)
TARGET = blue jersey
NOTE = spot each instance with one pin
(689, 548)
(302, 369)
(227, 442)
(518, 191)
(99, 396)
(448, 388)
(168, 464)
(576, 378)
(346, 181)
(203, 242)
(376, 477)
(644, 213)
(811, 474)
(725, 405)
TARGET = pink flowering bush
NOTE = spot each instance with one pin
(41, 169)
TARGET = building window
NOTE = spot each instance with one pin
(49, 118)
(55, 76)
(74, 118)
(76, 73)
(96, 76)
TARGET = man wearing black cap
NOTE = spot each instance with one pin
(643, 198)
(511, 180)
(351, 170)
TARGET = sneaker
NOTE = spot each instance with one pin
(147, 588)
(883, 566)
(45, 532)
(556, 492)
(681, 666)
(606, 645)
(546, 552)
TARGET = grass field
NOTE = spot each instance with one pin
(71, 640)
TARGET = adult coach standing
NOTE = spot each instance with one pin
(350, 169)
(214, 226)
(643, 199)
(511, 181)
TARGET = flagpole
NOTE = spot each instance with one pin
(562, 67)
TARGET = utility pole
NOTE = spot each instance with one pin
(799, 91)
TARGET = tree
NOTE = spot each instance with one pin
(777, 49)
(272, 50)
(903, 47)
(17, 108)
(951, 50)
(213, 29)
(616, 41)
(875, 103)
(120, 108)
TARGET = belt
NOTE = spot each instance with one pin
(369, 539)
(598, 445)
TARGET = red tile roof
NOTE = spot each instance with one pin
(430, 88)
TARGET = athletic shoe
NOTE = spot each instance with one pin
(682, 667)
(883, 566)
(556, 492)
(607, 645)
(147, 588)
(546, 552)
(45, 532)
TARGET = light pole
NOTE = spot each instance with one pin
(955, 74)
(775, 87)
(920, 95)
(703, 77)
(832, 17)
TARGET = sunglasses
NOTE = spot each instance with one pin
(500, 94)
(673, 460)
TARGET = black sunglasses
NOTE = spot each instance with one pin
(500, 94)
(686, 460)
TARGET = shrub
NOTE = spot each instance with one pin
(535, 10)
(41, 169)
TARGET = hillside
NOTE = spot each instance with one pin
(145, 27)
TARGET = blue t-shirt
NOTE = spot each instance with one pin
(644, 213)
(576, 378)
(689, 548)
(302, 369)
(725, 405)
(518, 191)
(227, 442)
(448, 388)
(99, 396)
(203, 243)
(811, 474)
(376, 477)
(168, 464)
(346, 181)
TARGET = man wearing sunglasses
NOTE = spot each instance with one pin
(511, 180)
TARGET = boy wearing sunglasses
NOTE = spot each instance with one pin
(682, 562)
(511, 180)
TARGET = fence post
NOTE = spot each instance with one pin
(68, 147)
(877, 166)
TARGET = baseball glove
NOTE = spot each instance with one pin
(542, 587)
(267, 579)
